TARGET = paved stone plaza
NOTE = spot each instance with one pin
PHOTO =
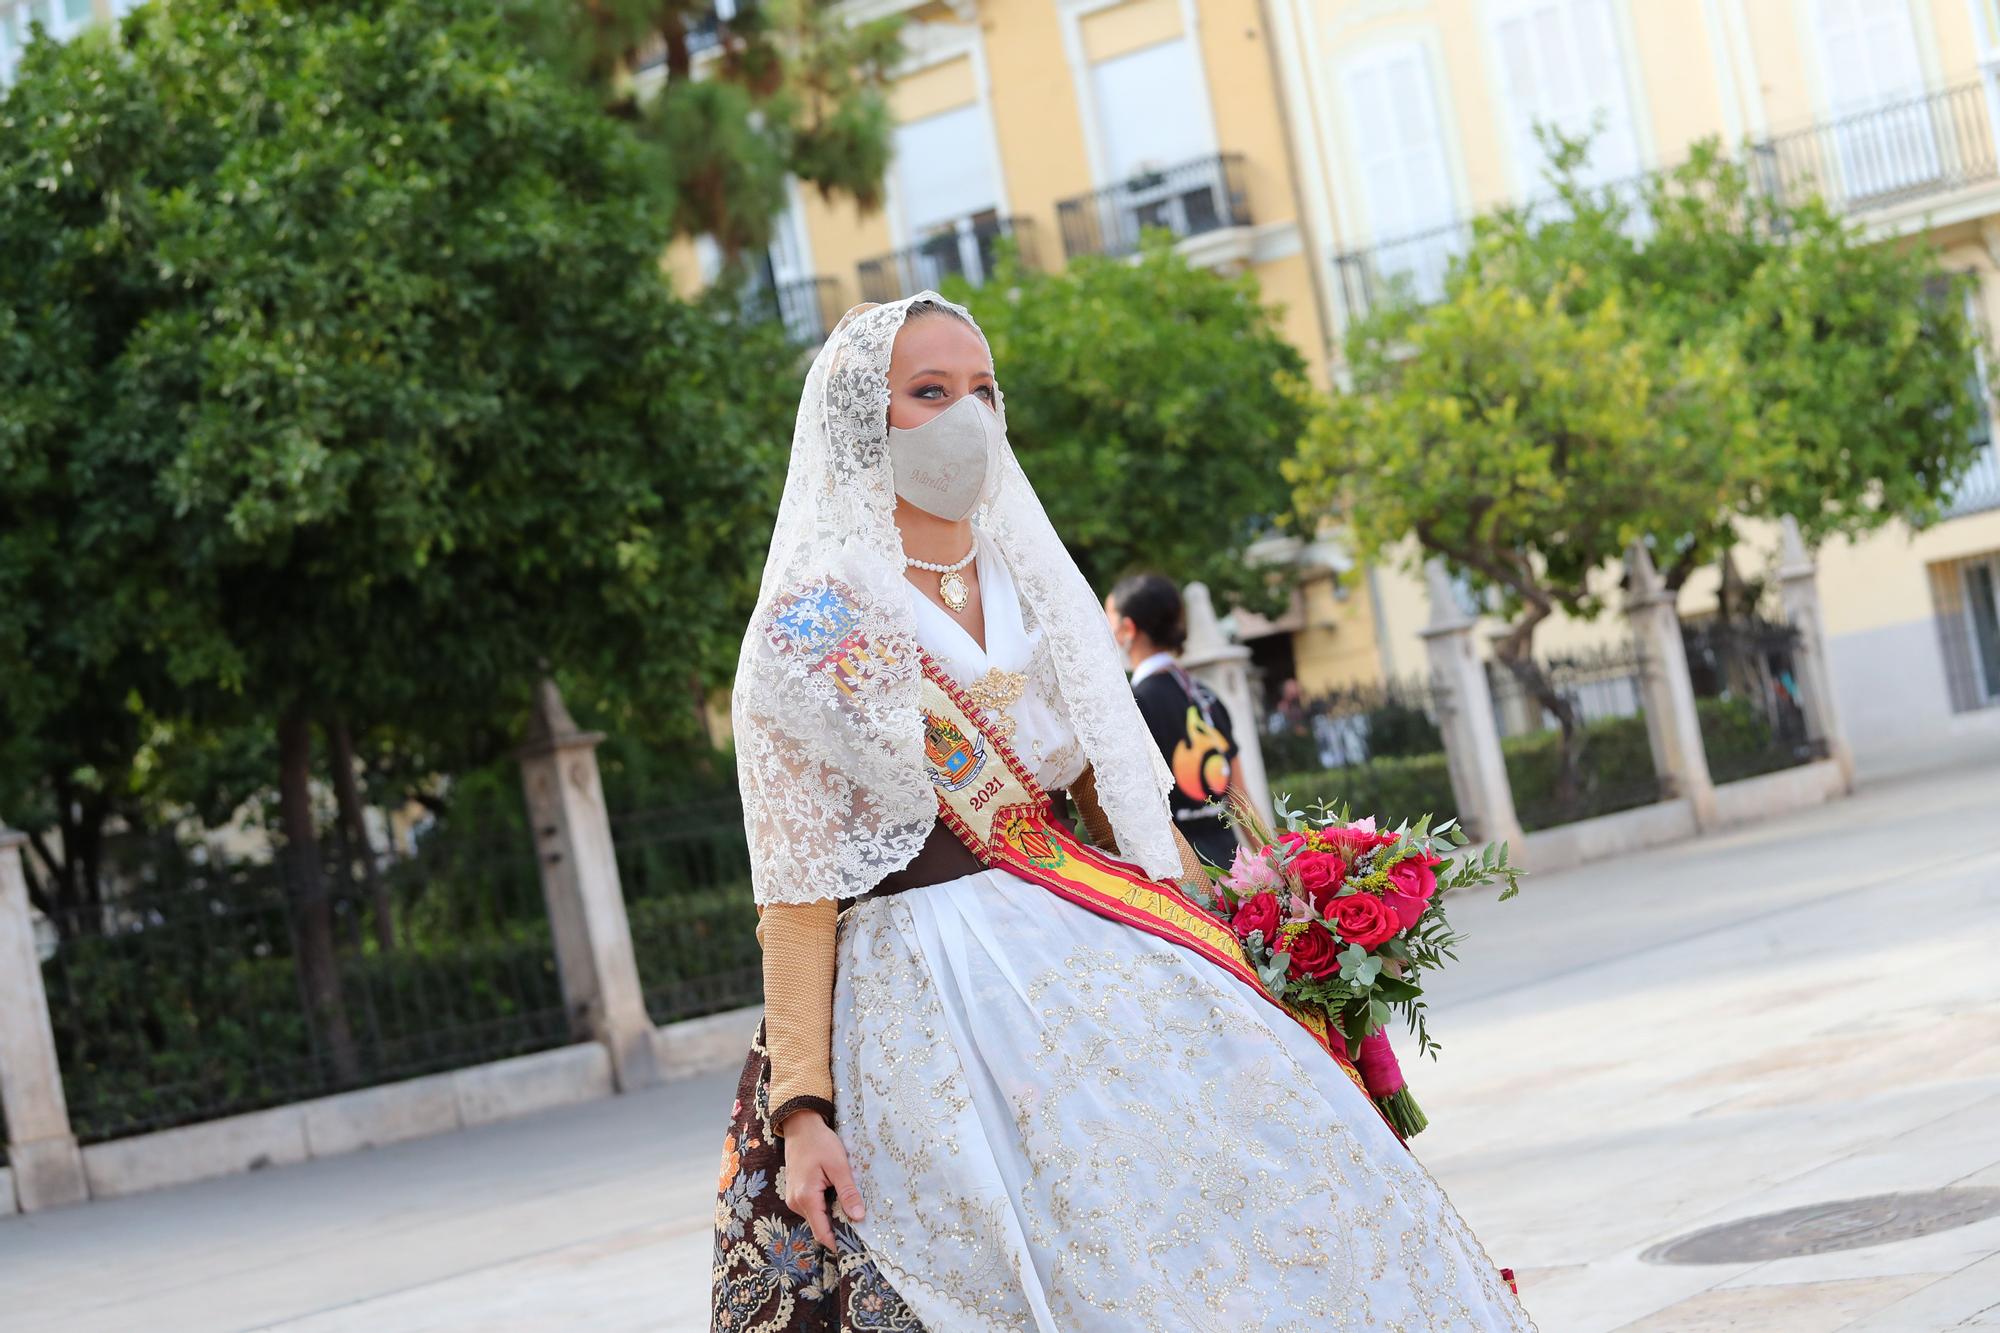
(1795, 1014)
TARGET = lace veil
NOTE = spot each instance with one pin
(829, 742)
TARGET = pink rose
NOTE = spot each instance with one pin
(1411, 883)
(1259, 912)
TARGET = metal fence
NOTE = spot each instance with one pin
(1573, 735)
(1747, 697)
(967, 248)
(803, 305)
(1922, 146)
(1188, 199)
(1378, 748)
(685, 870)
(188, 1000)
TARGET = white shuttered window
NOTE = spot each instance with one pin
(1399, 149)
(1562, 65)
(1883, 137)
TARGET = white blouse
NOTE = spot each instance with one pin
(1013, 677)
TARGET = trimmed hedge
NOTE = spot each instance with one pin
(1618, 763)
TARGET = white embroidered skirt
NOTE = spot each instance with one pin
(1061, 1123)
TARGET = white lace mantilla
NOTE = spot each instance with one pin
(829, 742)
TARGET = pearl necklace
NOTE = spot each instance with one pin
(951, 587)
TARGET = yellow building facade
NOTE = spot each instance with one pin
(1411, 116)
(1335, 148)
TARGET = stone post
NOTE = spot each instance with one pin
(593, 939)
(1471, 734)
(1798, 579)
(1673, 727)
(41, 1150)
(1223, 667)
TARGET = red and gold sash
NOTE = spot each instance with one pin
(990, 800)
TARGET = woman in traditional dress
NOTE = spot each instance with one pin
(1043, 1090)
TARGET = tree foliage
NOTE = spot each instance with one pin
(340, 383)
(1151, 403)
(733, 105)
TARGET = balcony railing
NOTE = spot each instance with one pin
(1979, 489)
(803, 305)
(1925, 147)
(962, 249)
(1190, 199)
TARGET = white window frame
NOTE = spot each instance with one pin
(1987, 688)
(1072, 13)
(1435, 257)
(1857, 156)
(930, 45)
(1526, 175)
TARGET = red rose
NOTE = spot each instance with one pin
(1411, 884)
(1320, 875)
(1258, 912)
(1292, 842)
(1364, 919)
(1315, 953)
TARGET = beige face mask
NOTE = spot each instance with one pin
(942, 466)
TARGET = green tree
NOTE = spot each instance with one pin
(1151, 403)
(1858, 354)
(780, 88)
(340, 387)
(1528, 444)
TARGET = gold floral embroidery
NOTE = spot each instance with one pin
(997, 692)
(1168, 1143)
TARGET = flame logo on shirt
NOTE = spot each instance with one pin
(1201, 761)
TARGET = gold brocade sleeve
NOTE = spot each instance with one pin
(799, 945)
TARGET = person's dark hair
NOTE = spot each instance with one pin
(1153, 604)
(921, 309)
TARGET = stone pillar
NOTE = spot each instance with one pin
(1471, 734)
(1224, 667)
(593, 939)
(1798, 579)
(1673, 727)
(41, 1150)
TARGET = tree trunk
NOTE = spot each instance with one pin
(341, 743)
(312, 911)
(1515, 651)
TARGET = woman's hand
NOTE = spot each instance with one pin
(815, 1162)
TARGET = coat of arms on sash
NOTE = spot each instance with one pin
(954, 758)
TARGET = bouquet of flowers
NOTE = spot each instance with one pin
(1341, 917)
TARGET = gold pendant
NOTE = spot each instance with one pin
(952, 588)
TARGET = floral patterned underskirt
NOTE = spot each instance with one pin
(769, 1274)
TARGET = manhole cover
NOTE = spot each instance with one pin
(1848, 1224)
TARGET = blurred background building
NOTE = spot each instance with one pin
(1340, 148)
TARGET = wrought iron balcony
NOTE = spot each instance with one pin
(1979, 489)
(1190, 199)
(962, 249)
(1924, 148)
(803, 305)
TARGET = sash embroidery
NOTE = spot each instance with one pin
(1004, 817)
